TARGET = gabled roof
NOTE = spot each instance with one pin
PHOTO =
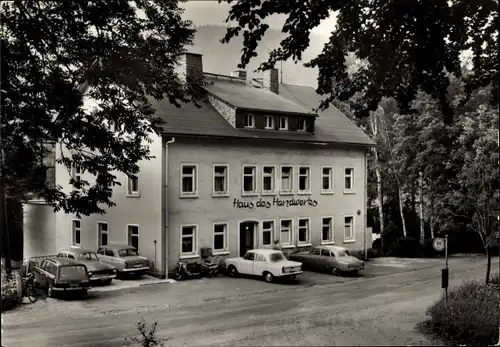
(245, 96)
(332, 126)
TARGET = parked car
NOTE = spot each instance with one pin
(333, 259)
(124, 258)
(58, 275)
(98, 270)
(268, 263)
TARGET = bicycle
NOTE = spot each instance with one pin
(29, 290)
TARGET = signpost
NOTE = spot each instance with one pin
(439, 245)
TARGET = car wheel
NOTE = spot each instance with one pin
(268, 277)
(335, 271)
(50, 291)
(107, 282)
(233, 272)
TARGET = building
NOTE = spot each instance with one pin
(253, 165)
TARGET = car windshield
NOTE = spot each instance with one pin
(74, 272)
(342, 253)
(127, 252)
(276, 257)
(88, 256)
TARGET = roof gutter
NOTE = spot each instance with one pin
(314, 143)
(288, 113)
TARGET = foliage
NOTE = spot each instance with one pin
(147, 338)
(116, 53)
(9, 291)
(470, 318)
(407, 46)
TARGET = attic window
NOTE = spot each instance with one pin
(269, 122)
(283, 123)
(249, 121)
(302, 126)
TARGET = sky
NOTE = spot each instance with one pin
(206, 12)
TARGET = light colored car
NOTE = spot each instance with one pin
(332, 259)
(124, 258)
(268, 263)
(98, 270)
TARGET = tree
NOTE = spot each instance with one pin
(408, 45)
(117, 53)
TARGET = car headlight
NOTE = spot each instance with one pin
(90, 273)
(115, 270)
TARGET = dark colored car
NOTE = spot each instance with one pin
(332, 259)
(124, 258)
(59, 275)
(98, 270)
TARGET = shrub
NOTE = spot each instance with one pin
(147, 338)
(471, 316)
(9, 292)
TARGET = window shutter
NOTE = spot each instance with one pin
(292, 123)
(240, 120)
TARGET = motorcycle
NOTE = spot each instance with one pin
(185, 270)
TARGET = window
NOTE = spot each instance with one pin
(250, 256)
(100, 251)
(348, 179)
(286, 232)
(267, 233)
(283, 123)
(133, 185)
(189, 179)
(110, 253)
(303, 230)
(325, 253)
(302, 124)
(71, 256)
(188, 240)
(76, 231)
(220, 179)
(315, 251)
(326, 179)
(133, 236)
(249, 179)
(348, 228)
(249, 121)
(76, 172)
(102, 231)
(269, 122)
(268, 178)
(327, 230)
(304, 180)
(220, 234)
(260, 257)
(286, 179)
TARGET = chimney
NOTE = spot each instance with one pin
(190, 67)
(271, 80)
(240, 74)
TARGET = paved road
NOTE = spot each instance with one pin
(379, 309)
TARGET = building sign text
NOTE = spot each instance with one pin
(276, 202)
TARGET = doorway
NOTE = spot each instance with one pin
(247, 237)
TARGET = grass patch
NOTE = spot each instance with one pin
(471, 316)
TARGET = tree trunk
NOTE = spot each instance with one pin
(401, 212)
(380, 199)
(421, 200)
(413, 199)
(488, 266)
(431, 216)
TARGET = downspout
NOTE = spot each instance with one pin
(165, 204)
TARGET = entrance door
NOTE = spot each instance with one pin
(247, 230)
